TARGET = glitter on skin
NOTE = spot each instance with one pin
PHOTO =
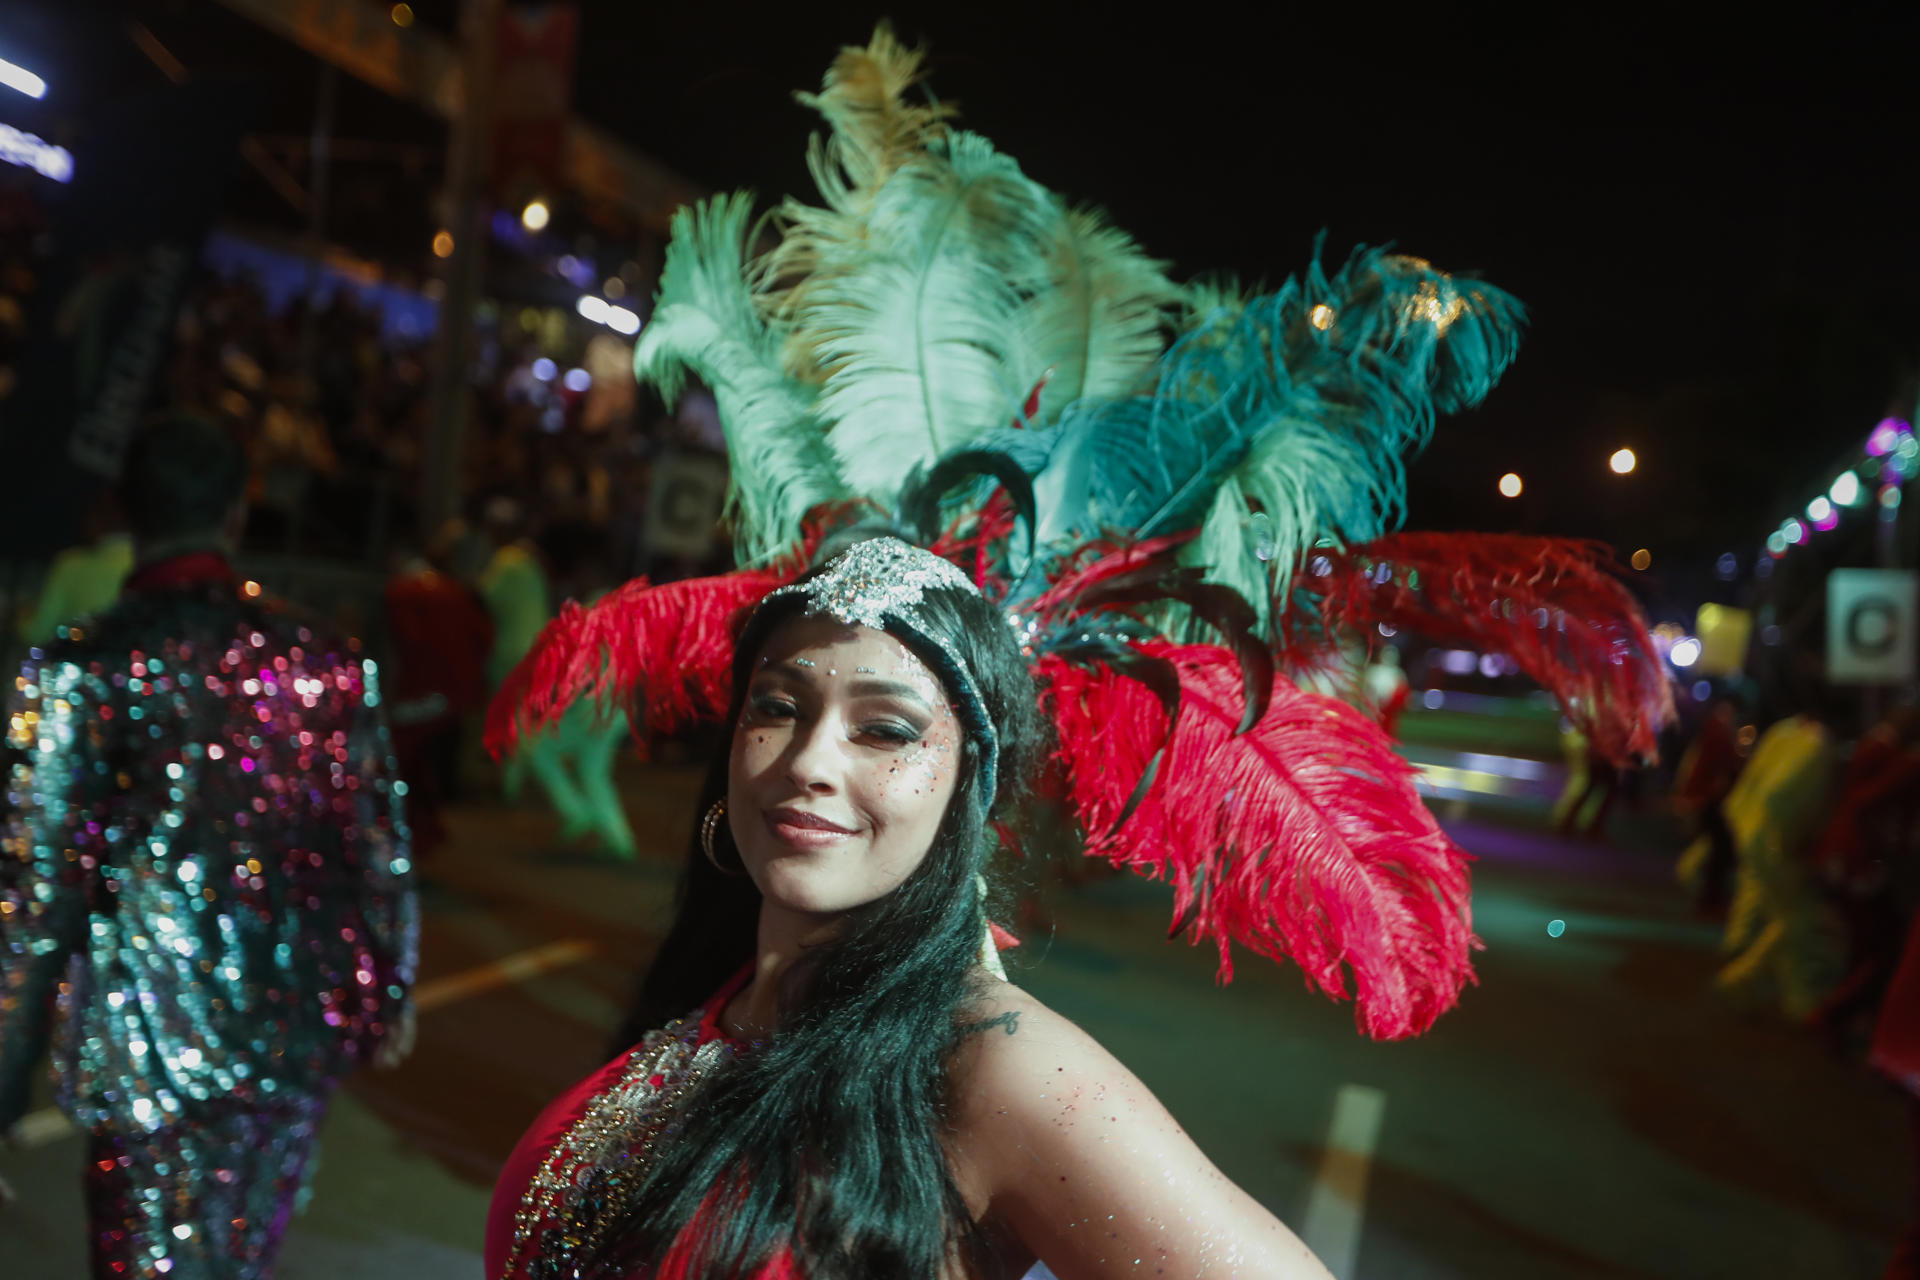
(838, 748)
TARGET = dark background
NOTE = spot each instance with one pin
(1710, 221)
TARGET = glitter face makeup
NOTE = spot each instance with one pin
(843, 764)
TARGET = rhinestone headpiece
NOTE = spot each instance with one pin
(880, 584)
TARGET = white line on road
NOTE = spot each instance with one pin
(1338, 1203)
(48, 1124)
(498, 973)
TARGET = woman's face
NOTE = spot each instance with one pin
(843, 762)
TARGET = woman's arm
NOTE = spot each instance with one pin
(1059, 1145)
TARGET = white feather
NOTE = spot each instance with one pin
(705, 323)
(916, 322)
(1103, 320)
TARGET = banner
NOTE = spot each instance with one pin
(126, 235)
(1871, 617)
(530, 97)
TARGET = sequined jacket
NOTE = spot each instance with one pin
(205, 887)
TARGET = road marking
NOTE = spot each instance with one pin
(48, 1124)
(1338, 1202)
(498, 973)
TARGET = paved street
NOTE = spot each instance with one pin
(1591, 1110)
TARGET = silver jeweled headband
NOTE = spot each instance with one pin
(879, 584)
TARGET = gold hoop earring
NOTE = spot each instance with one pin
(708, 826)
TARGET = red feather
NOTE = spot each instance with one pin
(665, 652)
(1108, 561)
(1556, 606)
(1302, 838)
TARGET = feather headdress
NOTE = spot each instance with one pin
(1175, 494)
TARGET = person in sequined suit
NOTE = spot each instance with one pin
(206, 903)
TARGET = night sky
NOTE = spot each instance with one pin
(1711, 226)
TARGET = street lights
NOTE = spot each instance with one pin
(18, 77)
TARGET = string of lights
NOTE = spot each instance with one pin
(1890, 458)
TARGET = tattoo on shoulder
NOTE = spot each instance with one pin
(1008, 1022)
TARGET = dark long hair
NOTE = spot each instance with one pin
(831, 1135)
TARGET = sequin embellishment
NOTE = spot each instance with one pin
(597, 1167)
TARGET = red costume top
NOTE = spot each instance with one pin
(606, 1123)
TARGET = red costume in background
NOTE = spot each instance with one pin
(440, 635)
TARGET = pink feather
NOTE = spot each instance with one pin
(1302, 838)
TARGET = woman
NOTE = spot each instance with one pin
(844, 1085)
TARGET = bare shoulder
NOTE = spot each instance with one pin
(1022, 1043)
(1051, 1135)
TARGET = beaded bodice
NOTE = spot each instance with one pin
(593, 1173)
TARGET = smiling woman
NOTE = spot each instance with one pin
(829, 1080)
(842, 766)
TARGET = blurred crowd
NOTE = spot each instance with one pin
(1807, 847)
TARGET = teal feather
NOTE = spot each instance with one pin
(1311, 424)
(705, 324)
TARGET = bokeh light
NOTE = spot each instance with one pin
(1846, 489)
(443, 244)
(1321, 317)
(1685, 652)
(536, 215)
(1622, 461)
(1819, 509)
(1885, 436)
(1510, 485)
(1794, 532)
(402, 15)
(1642, 559)
(1727, 566)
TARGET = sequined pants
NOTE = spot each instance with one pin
(204, 1199)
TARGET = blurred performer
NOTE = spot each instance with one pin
(441, 636)
(205, 899)
(1706, 774)
(573, 760)
(1777, 927)
(1593, 784)
(1896, 1054)
(83, 579)
(1864, 860)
